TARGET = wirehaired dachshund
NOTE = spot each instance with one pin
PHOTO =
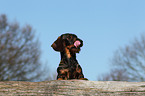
(68, 45)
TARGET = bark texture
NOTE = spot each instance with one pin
(72, 88)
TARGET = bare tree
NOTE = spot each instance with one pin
(114, 75)
(52, 76)
(130, 59)
(19, 52)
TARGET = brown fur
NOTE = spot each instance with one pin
(68, 67)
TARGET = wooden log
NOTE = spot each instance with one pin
(72, 88)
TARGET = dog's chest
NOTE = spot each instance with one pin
(71, 62)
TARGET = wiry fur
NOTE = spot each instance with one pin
(68, 67)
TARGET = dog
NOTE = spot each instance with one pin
(68, 45)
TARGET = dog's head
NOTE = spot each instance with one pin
(67, 41)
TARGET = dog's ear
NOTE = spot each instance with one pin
(58, 44)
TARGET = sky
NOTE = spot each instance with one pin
(103, 25)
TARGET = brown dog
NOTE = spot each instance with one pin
(68, 45)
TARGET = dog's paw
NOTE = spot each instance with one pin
(83, 79)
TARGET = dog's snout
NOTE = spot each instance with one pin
(77, 43)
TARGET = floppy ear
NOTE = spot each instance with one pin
(58, 44)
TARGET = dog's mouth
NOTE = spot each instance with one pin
(76, 47)
(77, 44)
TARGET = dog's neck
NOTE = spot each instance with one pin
(68, 57)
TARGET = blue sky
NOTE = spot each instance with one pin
(103, 25)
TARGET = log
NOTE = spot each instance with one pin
(72, 88)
